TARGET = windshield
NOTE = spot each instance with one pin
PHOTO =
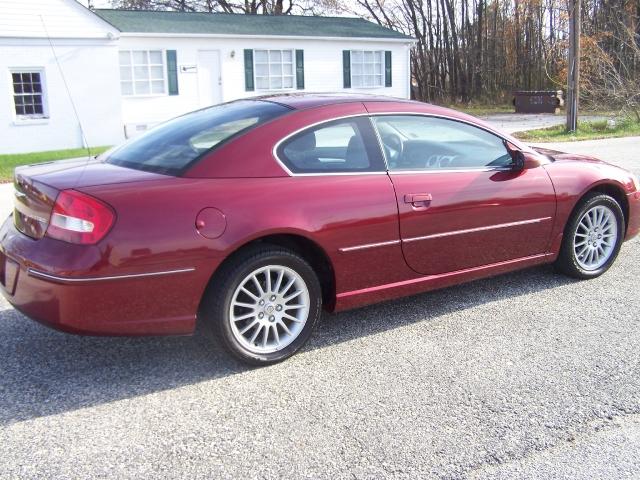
(173, 146)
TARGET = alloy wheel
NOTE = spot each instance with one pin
(269, 309)
(595, 237)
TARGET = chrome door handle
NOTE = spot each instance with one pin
(418, 200)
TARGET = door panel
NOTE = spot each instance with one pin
(473, 218)
(209, 80)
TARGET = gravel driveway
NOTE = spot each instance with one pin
(518, 122)
(528, 375)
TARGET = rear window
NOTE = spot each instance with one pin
(172, 147)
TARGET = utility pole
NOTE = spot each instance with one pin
(573, 87)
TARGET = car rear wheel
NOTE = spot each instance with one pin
(592, 238)
(264, 304)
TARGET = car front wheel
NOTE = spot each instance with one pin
(592, 237)
(264, 304)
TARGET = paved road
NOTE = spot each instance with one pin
(529, 375)
(621, 151)
(518, 122)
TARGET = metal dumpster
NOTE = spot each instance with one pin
(537, 101)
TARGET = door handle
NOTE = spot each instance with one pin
(418, 200)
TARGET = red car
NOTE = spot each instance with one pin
(253, 215)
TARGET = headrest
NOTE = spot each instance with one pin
(356, 156)
(304, 142)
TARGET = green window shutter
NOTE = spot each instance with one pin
(387, 68)
(346, 68)
(248, 70)
(172, 72)
(300, 69)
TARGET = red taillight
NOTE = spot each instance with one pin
(79, 218)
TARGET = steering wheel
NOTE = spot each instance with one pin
(440, 161)
(393, 143)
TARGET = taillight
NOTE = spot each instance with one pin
(79, 218)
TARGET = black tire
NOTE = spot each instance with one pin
(567, 262)
(215, 312)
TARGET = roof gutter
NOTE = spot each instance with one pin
(270, 37)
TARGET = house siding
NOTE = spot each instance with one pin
(92, 77)
(82, 50)
(62, 19)
(322, 71)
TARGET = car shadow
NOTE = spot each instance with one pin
(44, 372)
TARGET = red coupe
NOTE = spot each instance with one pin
(252, 216)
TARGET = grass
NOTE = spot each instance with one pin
(11, 161)
(625, 127)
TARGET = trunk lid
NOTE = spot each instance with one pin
(37, 187)
(33, 204)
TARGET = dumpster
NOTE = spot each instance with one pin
(537, 101)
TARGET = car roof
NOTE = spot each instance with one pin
(299, 101)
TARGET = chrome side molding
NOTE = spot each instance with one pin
(57, 278)
(478, 229)
(368, 245)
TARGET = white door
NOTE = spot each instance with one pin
(209, 80)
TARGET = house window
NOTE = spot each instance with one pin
(28, 94)
(367, 68)
(142, 72)
(274, 69)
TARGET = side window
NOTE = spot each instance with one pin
(340, 146)
(413, 142)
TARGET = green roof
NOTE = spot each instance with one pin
(142, 21)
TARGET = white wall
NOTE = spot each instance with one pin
(87, 52)
(322, 63)
(50, 18)
(91, 73)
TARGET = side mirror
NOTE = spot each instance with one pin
(517, 156)
(518, 160)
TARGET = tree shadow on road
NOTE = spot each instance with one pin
(44, 372)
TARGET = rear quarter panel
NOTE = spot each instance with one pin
(156, 224)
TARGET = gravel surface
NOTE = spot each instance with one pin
(529, 375)
(519, 122)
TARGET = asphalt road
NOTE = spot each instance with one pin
(529, 375)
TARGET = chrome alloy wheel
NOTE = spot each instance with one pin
(269, 309)
(595, 238)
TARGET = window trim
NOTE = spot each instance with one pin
(378, 162)
(34, 119)
(382, 73)
(293, 67)
(274, 151)
(163, 53)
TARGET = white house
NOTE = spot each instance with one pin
(58, 70)
(128, 70)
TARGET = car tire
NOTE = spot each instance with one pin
(592, 237)
(271, 288)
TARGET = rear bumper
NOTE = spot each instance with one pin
(633, 227)
(162, 300)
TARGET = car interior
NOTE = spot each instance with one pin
(307, 152)
(404, 151)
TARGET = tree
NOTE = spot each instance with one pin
(267, 7)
